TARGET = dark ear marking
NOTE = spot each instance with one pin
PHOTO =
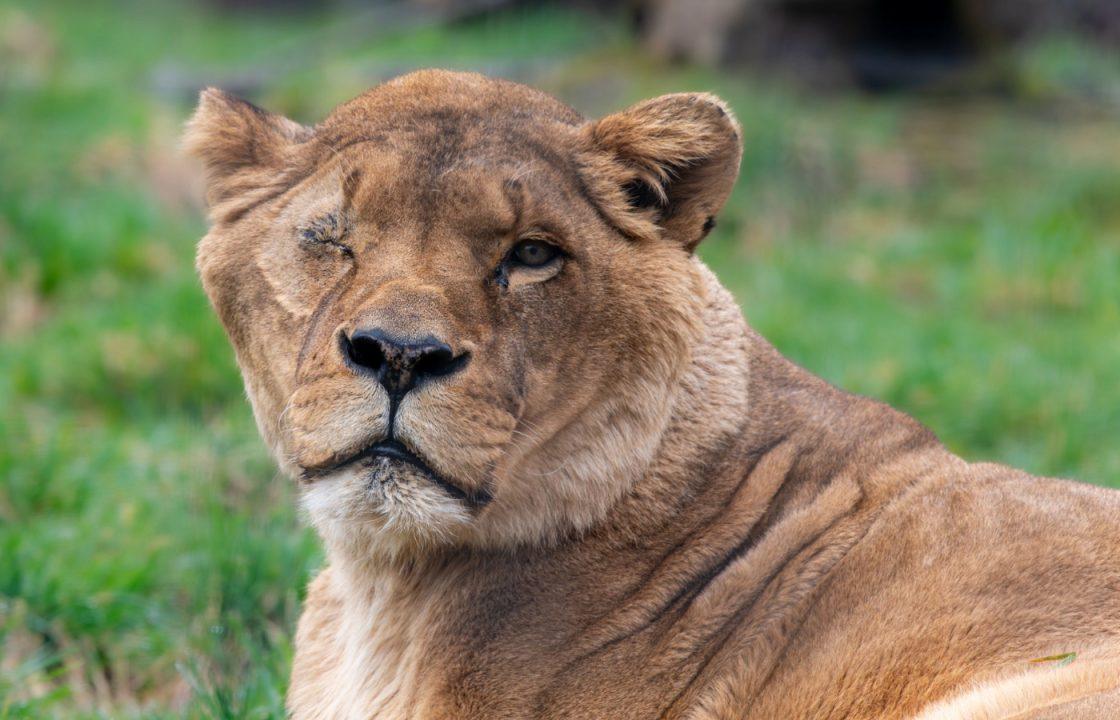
(641, 195)
(708, 225)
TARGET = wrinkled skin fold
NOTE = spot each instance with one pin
(558, 476)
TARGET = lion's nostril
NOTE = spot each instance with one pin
(399, 365)
(365, 351)
(434, 360)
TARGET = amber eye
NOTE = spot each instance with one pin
(533, 253)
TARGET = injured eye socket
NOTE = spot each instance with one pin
(533, 253)
(325, 232)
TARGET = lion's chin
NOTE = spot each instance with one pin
(386, 504)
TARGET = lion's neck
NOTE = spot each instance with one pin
(708, 417)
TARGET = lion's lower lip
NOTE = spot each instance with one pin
(394, 450)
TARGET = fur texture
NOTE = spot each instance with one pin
(629, 505)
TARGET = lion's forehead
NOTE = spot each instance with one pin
(469, 199)
(452, 103)
(433, 124)
(431, 156)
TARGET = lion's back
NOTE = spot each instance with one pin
(967, 579)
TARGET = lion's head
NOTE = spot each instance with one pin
(461, 309)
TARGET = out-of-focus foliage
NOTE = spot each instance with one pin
(957, 258)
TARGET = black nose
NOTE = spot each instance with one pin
(399, 365)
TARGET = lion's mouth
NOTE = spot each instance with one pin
(394, 450)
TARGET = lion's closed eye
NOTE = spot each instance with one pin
(325, 233)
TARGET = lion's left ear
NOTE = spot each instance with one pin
(665, 165)
(242, 147)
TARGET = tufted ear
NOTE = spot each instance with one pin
(242, 147)
(664, 166)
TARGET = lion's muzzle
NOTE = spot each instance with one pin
(398, 364)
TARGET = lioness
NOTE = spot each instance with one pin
(558, 476)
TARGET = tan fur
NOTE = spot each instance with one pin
(642, 509)
(1033, 694)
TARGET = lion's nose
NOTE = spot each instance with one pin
(400, 365)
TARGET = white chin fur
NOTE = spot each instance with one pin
(385, 507)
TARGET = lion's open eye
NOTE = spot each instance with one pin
(533, 253)
(531, 260)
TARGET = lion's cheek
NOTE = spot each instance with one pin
(331, 417)
(462, 434)
(299, 284)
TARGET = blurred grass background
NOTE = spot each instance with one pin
(957, 256)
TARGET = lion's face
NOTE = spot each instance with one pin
(460, 309)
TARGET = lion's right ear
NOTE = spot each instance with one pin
(664, 166)
(242, 147)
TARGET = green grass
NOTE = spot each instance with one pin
(960, 260)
